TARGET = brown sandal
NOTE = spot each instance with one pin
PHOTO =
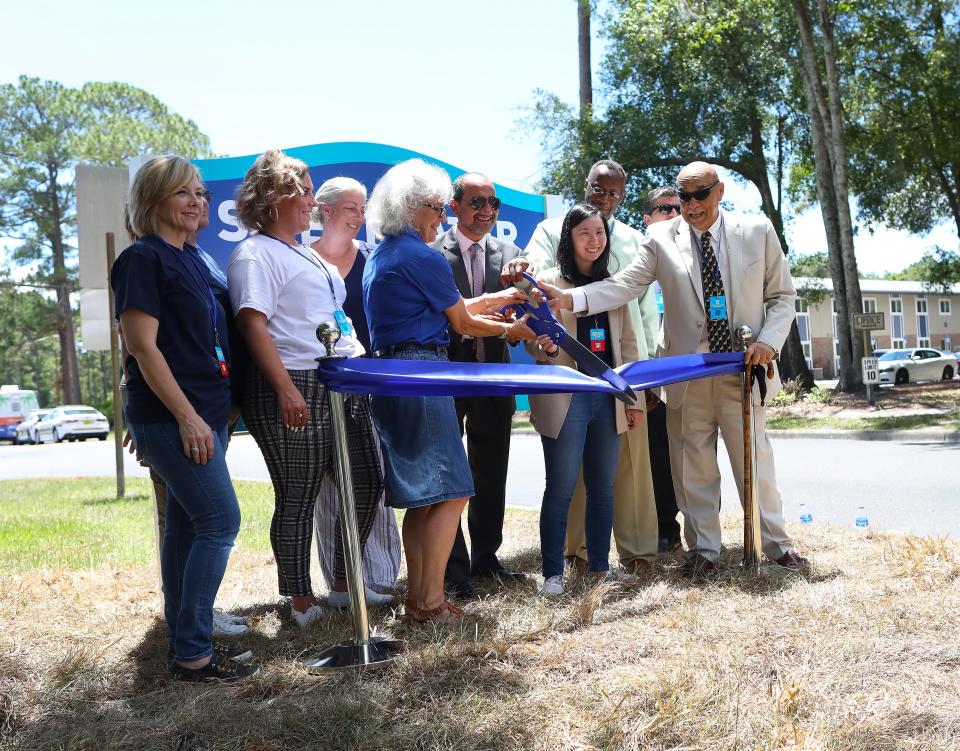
(445, 612)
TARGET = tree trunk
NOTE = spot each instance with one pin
(586, 75)
(841, 186)
(69, 370)
(849, 375)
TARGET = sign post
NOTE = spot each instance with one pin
(867, 322)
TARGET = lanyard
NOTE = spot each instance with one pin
(312, 262)
(198, 277)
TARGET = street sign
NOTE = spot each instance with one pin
(871, 370)
(867, 321)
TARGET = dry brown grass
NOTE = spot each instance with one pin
(861, 654)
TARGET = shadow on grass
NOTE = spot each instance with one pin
(112, 500)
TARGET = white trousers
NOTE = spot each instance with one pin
(713, 404)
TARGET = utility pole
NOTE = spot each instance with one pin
(583, 38)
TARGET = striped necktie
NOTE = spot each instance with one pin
(718, 330)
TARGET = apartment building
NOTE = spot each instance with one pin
(913, 316)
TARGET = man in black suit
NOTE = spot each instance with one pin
(476, 257)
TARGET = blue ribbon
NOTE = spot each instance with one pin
(387, 377)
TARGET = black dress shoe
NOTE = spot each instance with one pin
(697, 566)
(462, 590)
(668, 545)
(500, 573)
(790, 559)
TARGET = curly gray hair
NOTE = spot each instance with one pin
(401, 191)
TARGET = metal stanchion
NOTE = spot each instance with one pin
(363, 650)
(751, 512)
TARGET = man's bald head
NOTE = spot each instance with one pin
(700, 191)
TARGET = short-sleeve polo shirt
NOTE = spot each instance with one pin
(407, 286)
(153, 277)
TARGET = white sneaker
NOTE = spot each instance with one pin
(225, 628)
(553, 586)
(314, 612)
(342, 599)
(221, 615)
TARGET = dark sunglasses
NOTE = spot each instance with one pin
(667, 208)
(698, 194)
(478, 202)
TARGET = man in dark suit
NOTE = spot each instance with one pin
(476, 257)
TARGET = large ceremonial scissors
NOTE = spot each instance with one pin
(541, 320)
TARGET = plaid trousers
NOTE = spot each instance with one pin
(298, 461)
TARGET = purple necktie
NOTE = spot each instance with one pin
(477, 277)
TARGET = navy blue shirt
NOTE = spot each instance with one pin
(353, 304)
(174, 287)
(406, 287)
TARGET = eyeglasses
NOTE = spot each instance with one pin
(667, 208)
(478, 202)
(207, 196)
(698, 194)
(441, 210)
(599, 192)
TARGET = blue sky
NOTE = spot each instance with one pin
(451, 80)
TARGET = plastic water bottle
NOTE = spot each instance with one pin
(805, 516)
(862, 521)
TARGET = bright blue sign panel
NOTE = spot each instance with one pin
(366, 162)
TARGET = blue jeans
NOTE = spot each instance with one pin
(589, 433)
(203, 518)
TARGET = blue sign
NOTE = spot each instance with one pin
(519, 214)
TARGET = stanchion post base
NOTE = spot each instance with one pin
(377, 652)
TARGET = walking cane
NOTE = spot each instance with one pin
(363, 650)
(751, 513)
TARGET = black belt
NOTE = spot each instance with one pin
(394, 348)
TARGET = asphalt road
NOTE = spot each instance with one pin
(903, 485)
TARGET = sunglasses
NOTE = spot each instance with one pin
(207, 196)
(478, 202)
(698, 194)
(441, 210)
(667, 208)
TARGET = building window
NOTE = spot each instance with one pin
(899, 344)
(801, 305)
(869, 305)
(944, 307)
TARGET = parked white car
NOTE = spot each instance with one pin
(27, 430)
(916, 364)
(71, 422)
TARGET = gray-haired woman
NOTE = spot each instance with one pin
(341, 210)
(410, 298)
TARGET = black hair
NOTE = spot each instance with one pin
(565, 255)
(650, 200)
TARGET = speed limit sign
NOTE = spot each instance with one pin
(871, 371)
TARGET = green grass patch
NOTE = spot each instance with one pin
(80, 524)
(949, 420)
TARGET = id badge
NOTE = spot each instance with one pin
(598, 340)
(660, 303)
(222, 362)
(718, 307)
(343, 323)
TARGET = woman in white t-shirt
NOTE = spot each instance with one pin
(281, 291)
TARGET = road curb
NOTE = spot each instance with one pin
(921, 435)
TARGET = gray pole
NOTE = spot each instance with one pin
(115, 366)
(363, 650)
(751, 515)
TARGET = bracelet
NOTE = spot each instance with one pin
(503, 334)
(553, 354)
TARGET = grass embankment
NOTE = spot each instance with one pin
(947, 421)
(862, 652)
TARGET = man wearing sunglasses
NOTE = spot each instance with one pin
(718, 271)
(476, 258)
(634, 509)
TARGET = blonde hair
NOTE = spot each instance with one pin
(271, 178)
(158, 179)
(329, 193)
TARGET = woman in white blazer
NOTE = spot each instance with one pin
(584, 426)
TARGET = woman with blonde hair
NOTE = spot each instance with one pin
(281, 290)
(341, 212)
(178, 404)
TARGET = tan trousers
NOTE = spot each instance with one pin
(713, 404)
(634, 508)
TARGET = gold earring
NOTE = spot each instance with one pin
(274, 215)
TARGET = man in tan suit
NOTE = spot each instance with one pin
(717, 271)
